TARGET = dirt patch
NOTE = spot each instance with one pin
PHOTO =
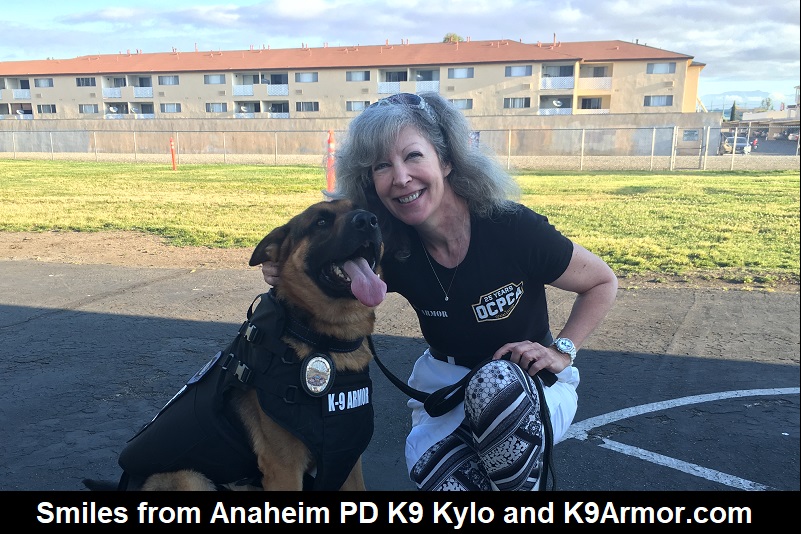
(143, 250)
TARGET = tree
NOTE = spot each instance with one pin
(767, 104)
(452, 38)
(733, 111)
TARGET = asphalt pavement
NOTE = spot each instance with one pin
(682, 389)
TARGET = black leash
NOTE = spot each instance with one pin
(445, 399)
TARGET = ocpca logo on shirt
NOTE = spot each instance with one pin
(498, 304)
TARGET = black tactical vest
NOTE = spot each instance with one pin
(198, 429)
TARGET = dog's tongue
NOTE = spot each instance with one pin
(364, 283)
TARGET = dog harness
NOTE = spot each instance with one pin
(199, 429)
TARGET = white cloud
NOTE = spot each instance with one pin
(750, 45)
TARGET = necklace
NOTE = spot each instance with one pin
(456, 269)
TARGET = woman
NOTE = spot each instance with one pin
(473, 264)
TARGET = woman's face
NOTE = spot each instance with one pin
(410, 180)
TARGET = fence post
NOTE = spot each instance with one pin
(674, 140)
(330, 173)
(172, 152)
(509, 150)
(653, 147)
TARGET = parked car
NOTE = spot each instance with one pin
(741, 144)
(792, 136)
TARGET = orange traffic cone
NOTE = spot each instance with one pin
(330, 174)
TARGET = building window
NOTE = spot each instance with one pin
(599, 72)
(307, 106)
(356, 105)
(357, 76)
(251, 79)
(396, 76)
(279, 107)
(118, 82)
(43, 82)
(305, 77)
(462, 103)
(170, 108)
(690, 135)
(427, 75)
(590, 103)
(168, 80)
(85, 82)
(214, 79)
(518, 70)
(559, 71)
(661, 68)
(514, 103)
(658, 101)
(46, 108)
(88, 108)
(464, 72)
(275, 79)
(216, 107)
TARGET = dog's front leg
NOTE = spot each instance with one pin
(355, 480)
(283, 459)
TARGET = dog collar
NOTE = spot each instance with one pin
(321, 342)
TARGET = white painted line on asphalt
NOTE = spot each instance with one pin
(581, 429)
(692, 469)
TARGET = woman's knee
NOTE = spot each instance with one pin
(493, 382)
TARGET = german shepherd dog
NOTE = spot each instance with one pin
(288, 404)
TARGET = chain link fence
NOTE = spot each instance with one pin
(615, 149)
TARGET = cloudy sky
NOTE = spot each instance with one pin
(746, 46)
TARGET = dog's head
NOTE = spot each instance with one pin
(329, 252)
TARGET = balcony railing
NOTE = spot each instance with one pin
(555, 111)
(22, 94)
(595, 83)
(243, 90)
(389, 88)
(427, 86)
(112, 92)
(557, 82)
(278, 89)
(143, 92)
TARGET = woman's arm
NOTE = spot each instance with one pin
(595, 286)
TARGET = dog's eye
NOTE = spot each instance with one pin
(322, 221)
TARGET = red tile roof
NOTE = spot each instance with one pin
(359, 56)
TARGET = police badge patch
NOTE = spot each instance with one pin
(317, 374)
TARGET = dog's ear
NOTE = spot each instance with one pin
(268, 248)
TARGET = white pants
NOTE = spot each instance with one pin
(456, 438)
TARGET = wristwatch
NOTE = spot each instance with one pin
(565, 346)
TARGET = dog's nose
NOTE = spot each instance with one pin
(363, 220)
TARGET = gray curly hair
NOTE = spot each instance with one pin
(476, 175)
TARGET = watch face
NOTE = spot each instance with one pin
(564, 345)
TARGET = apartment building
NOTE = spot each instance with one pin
(494, 80)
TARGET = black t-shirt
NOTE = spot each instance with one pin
(498, 291)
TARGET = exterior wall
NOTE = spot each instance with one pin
(628, 86)
(631, 84)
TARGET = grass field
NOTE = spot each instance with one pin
(742, 226)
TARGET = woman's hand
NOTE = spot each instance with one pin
(533, 357)
(270, 271)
